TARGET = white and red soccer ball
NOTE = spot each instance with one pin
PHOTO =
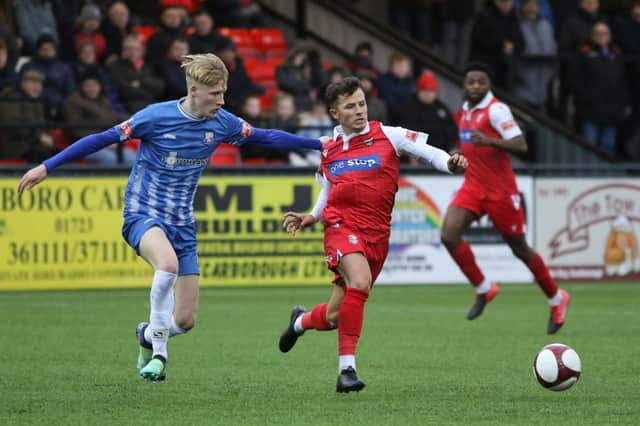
(557, 367)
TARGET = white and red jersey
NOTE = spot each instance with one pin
(489, 173)
(359, 174)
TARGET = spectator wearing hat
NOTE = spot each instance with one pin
(23, 105)
(89, 111)
(88, 28)
(138, 85)
(115, 28)
(426, 113)
(301, 75)
(363, 59)
(34, 18)
(376, 109)
(59, 82)
(204, 38)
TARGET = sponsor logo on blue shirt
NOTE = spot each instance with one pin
(370, 162)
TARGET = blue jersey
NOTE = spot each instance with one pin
(174, 150)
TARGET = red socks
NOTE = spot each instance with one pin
(316, 319)
(465, 259)
(350, 320)
(544, 279)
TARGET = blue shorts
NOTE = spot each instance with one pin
(182, 239)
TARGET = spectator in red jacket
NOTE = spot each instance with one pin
(88, 24)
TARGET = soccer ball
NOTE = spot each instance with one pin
(557, 367)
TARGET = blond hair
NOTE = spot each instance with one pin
(205, 69)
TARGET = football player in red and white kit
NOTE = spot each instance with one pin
(359, 176)
(488, 134)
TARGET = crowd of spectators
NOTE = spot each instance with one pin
(82, 66)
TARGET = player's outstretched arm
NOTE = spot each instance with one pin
(279, 139)
(516, 145)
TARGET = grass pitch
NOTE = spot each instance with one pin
(69, 358)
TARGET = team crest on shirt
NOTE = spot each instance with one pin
(479, 117)
(125, 128)
(246, 129)
(353, 239)
(325, 152)
(208, 138)
(368, 142)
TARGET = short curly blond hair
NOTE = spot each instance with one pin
(205, 69)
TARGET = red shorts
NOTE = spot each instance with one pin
(506, 213)
(340, 240)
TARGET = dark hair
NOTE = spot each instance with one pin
(477, 66)
(364, 45)
(345, 87)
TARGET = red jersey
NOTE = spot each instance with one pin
(363, 169)
(489, 173)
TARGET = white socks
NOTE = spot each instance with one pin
(484, 287)
(297, 325)
(161, 311)
(556, 299)
(345, 361)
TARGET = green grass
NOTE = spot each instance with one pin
(69, 358)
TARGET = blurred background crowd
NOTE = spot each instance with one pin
(70, 68)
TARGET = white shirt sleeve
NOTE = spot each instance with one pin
(416, 144)
(502, 120)
(321, 201)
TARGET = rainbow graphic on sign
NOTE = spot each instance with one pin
(416, 218)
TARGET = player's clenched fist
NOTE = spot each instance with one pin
(294, 221)
(457, 163)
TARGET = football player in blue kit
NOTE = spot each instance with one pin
(177, 139)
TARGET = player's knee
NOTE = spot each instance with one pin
(168, 264)
(361, 283)
(332, 319)
(449, 240)
(186, 322)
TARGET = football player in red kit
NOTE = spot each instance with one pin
(359, 176)
(488, 133)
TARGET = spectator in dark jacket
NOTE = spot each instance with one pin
(8, 76)
(599, 86)
(115, 28)
(204, 38)
(171, 26)
(34, 18)
(363, 59)
(496, 40)
(397, 84)
(239, 84)
(301, 75)
(536, 64)
(137, 84)
(376, 109)
(576, 30)
(59, 77)
(426, 113)
(171, 69)
(23, 106)
(86, 62)
(89, 111)
(456, 30)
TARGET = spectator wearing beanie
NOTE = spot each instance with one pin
(425, 112)
(88, 25)
(59, 82)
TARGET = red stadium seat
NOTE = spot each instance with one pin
(60, 137)
(245, 44)
(12, 163)
(270, 41)
(144, 31)
(261, 71)
(225, 155)
(266, 100)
